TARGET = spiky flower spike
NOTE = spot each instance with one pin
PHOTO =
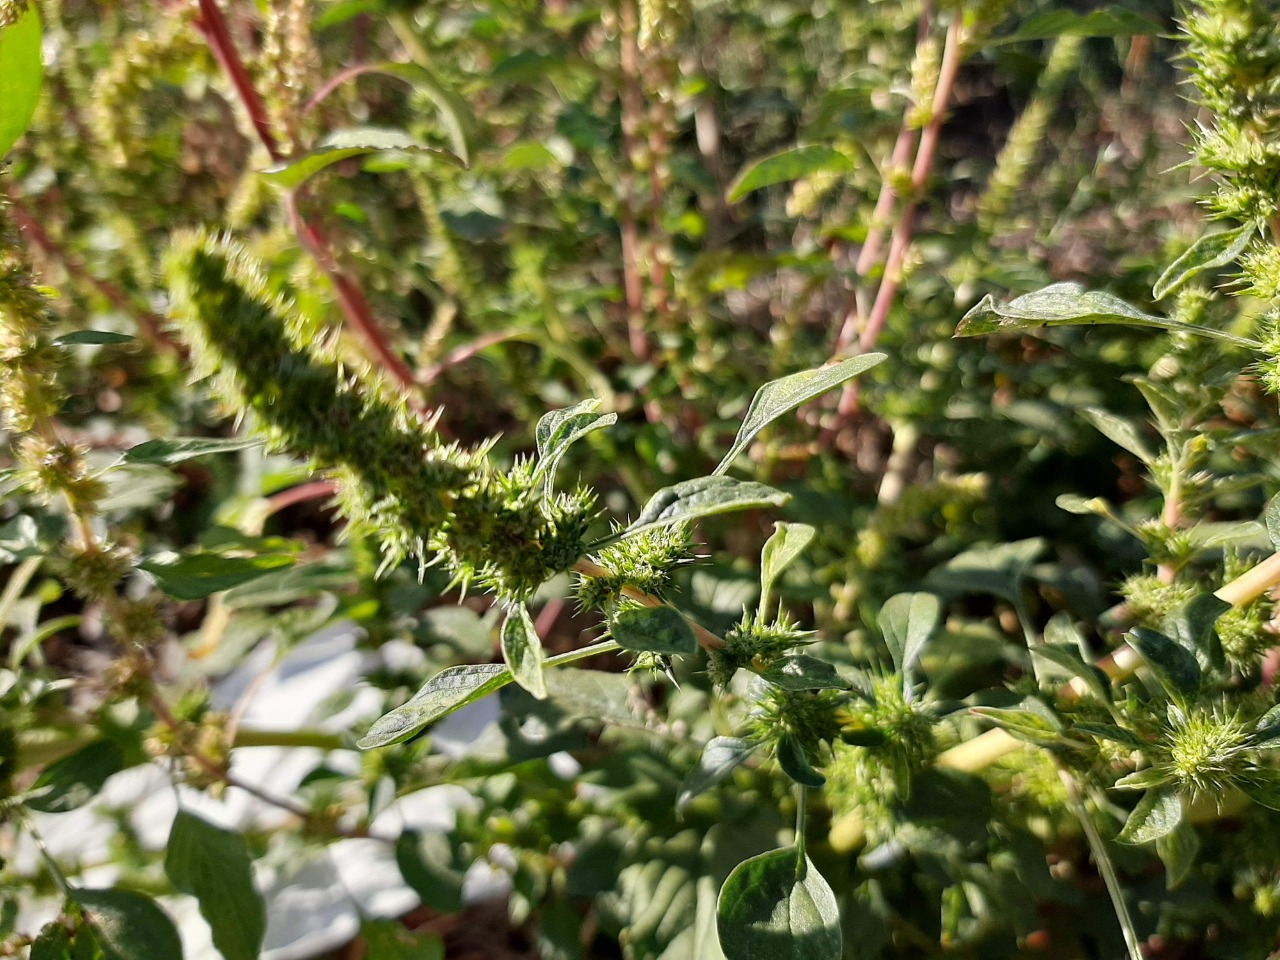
(419, 496)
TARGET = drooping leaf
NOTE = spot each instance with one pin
(1178, 849)
(1174, 666)
(1207, 253)
(795, 762)
(720, 757)
(128, 925)
(779, 552)
(1120, 432)
(213, 865)
(21, 75)
(199, 575)
(802, 672)
(703, 497)
(91, 337)
(1023, 724)
(427, 864)
(1157, 814)
(76, 779)
(778, 907)
(1069, 304)
(1104, 22)
(444, 693)
(781, 396)
(787, 166)
(344, 144)
(559, 429)
(522, 651)
(185, 448)
(907, 621)
(654, 630)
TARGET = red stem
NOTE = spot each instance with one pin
(213, 25)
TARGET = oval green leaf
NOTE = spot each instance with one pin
(720, 757)
(907, 621)
(213, 865)
(75, 780)
(21, 75)
(128, 925)
(778, 907)
(780, 551)
(654, 630)
(795, 762)
(1207, 253)
(787, 166)
(344, 144)
(1157, 814)
(803, 672)
(702, 497)
(444, 693)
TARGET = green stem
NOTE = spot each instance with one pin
(18, 581)
(292, 738)
(802, 812)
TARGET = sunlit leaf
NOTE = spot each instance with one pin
(522, 651)
(653, 630)
(1105, 22)
(778, 907)
(75, 780)
(444, 693)
(785, 167)
(703, 497)
(343, 145)
(1157, 814)
(185, 448)
(200, 575)
(559, 429)
(1207, 253)
(907, 621)
(780, 551)
(1174, 666)
(802, 672)
(21, 76)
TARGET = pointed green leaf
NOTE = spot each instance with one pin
(778, 907)
(559, 429)
(344, 144)
(1144, 779)
(795, 763)
(522, 651)
(702, 497)
(1104, 22)
(1067, 657)
(1120, 432)
(128, 925)
(91, 337)
(444, 693)
(779, 397)
(1023, 724)
(199, 575)
(1069, 304)
(454, 114)
(1194, 626)
(653, 630)
(185, 448)
(1157, 814)
(802, 672)
(428, 865)
(997, 569)
(787, 166)
(720, 757)
(1107, 731)
(1266, 734)
(1178, 850)
(1174, 666)
(75, 780)
(1263, 788)
(780, 551)
(907, 621)
(213, 865)
(1207, 253)
(21, 75)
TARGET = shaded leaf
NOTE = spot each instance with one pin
(1263, 788)
(559, 429)
(803, 672)
(1157, 814)
(1207, 253)
(653, 630)
(720, 757)
(1069, 304)
(1067, 656)
(522, 651)
(213, 865)
(1107, 731)
(795, 763)
(427, 864)
(778, 907)
(1178, 850)
(128, 925)
(1120, 432)
(779, 552)
(1174, 666)
(1144, 779)
(702, 497)
(392, 940)
(1023, 724)
(199, 575)
(21, 76)
(781, 396)
(1266, 734)
(787, 166)
(1106, 22)
(52, 943)
(344, 144)
(1273, 521)
(455, 116)
(441, 695)
(998, 569)
(76, 779)
(87, 337)
(185, 448)
(907, 621)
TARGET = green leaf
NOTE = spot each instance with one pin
(779, 397)
(1157, 814)
(795, 762)
(1069, 304)
(444, 693)
(52, 943)
(1178, 850)
(907, 621)
(1144, 779)
(1120, 432)
(803, 672)
(128, 925)
(787, 166)
(1207, 253)
(1067, 656)
(427, 864)
(87, 337)
(702, 497)
(344, 144)
(778, 907)
(455, 116)
(1273, 521)
(1266, 733)
(720, 757)
(392, 940)
(1194, 626)
(199, 575)
(1023, 724)
(559, 429)
(780, 551)
(185, 448)
(76, 779)
(1174, 666)
(213, 865)
(1107, 731)
(997, 569)
(21, 74)
(1263, 788)
(522, 651)
(1106, 22)
(653, 630)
